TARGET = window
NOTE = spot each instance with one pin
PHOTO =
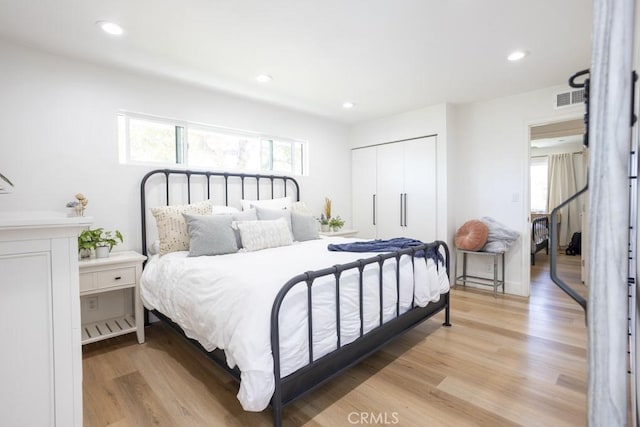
(282, 155)
(539, 183)
(145, 139)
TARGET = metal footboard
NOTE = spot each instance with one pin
(321, 370)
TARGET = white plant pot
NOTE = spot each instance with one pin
(102, 252)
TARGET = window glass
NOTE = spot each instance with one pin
(539, 184)
(152, 141)
(172, 142)
(218, 150)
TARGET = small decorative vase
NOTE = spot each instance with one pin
(324, 228)
(102, 251)
(335, 229)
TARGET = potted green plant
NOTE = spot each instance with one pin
(99, 240)
(324, 223)
(336, 223)
(325, 216)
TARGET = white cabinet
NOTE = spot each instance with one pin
(363, 194)
(120, 272)
(41, 360)
(394, 190)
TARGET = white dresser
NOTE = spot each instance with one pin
(41, 359)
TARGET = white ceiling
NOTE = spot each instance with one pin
(387, 56)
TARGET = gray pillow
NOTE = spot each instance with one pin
(304, 227)
(273, 214)
(210, 235)
(248, 215)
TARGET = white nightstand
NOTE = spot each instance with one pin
(99, 276)
(342, 233)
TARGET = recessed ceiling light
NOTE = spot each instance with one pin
(517, 55)
(348, 105)
(264, 78)
(110, 28)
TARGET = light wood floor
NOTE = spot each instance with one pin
(504, 362)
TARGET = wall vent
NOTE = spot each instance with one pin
(569, 98)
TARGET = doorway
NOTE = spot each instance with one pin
(557, 168)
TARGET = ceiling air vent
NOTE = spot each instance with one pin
(569, 98)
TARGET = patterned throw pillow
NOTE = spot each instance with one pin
(172, 228)
(265, 214)
(258, 235)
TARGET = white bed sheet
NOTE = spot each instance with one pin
(225, 302)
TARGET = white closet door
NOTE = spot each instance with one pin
(420, 188)
(390, 184)
(363, 191)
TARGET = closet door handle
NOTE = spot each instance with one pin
(374, 209)
(401, 223)
(405, 210)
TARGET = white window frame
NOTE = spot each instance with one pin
(533, 162)
(182, 147)
(292, 145)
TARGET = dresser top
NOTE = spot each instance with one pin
(32, 219)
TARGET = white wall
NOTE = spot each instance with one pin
(491, 167)
(58, 135)
(422, 122)
(484, 147)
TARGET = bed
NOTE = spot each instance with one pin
(539, 236)
(301, 314)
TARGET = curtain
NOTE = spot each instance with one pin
(562, 185)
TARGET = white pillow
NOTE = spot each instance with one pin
(154, 248)
(278, 204)
(301, 208)
(258, 235)
(222, 209)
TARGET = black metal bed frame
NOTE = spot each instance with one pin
(321, 370)
(539, 225)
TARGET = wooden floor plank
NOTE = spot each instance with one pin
(505, 361)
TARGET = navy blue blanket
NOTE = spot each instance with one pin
(390, 245)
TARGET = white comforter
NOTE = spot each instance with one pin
(225, 302)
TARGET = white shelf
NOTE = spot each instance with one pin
(341, 233)
(108, 328)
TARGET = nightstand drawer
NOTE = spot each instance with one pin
(116, 277)
(88, 281)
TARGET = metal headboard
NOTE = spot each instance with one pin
(221, 176)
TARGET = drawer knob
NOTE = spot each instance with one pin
(118, 277)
